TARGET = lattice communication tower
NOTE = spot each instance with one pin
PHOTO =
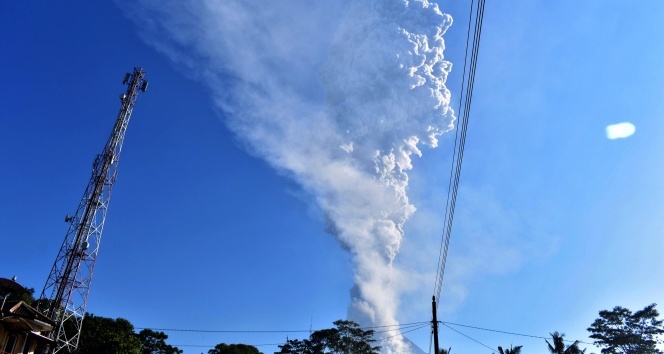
(68, 285)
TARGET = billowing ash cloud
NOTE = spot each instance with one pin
(337, 95)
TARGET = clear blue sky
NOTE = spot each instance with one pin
(554, 221)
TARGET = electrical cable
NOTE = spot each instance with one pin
(413, 326)
(469, 337)
(416, 325)
(401, 333)
(465, 113)
(505, 332)
(406, 325)
(454, 150)
(212, 346)
(421, 325)
(218, 331)
(398, 325)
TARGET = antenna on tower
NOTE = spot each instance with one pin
(68, 285)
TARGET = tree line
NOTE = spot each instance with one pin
(616, 331)
(101, 335)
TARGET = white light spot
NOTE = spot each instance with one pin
(620, 130)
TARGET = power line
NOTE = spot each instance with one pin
(479, 15)
(413, 326)
(401, 333)
(505, 332)
(416, 325)
(409, 326)
(459, 150)
(425, 324)
(469, 337)
(406, 325)
(399, 325)
(220, 331)
(214, 345)
(442, 255)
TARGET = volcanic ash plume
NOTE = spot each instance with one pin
(384, 86)
(382, 76)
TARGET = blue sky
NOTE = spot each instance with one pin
(554, 221)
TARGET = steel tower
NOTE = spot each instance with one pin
(68, 285)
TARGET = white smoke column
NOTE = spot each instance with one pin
(385, 87)
(384, 91)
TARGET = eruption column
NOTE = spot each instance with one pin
(383, 80)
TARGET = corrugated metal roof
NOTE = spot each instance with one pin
(24, 310)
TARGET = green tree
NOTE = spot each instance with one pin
(620, 331)
(101, 335)
(24, 294)
(224, 348)
(296, 346)
(349, 338)
(153, 342)
(515, 350)
(346, 338)
(558, 346)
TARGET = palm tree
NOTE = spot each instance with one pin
(446, 351)
(558, 346)
(515, 350)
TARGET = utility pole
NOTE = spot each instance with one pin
(68, 284)
(435, 326)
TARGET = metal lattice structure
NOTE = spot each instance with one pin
(68, 284)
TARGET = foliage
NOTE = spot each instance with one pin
(224, 348)
(101, 335)
(515, 350)
(559, 347)
(155, 343)
(446, 351)
(27, 296)
(296, 346)
(42, 305)
(346, 338)
(620, 331)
